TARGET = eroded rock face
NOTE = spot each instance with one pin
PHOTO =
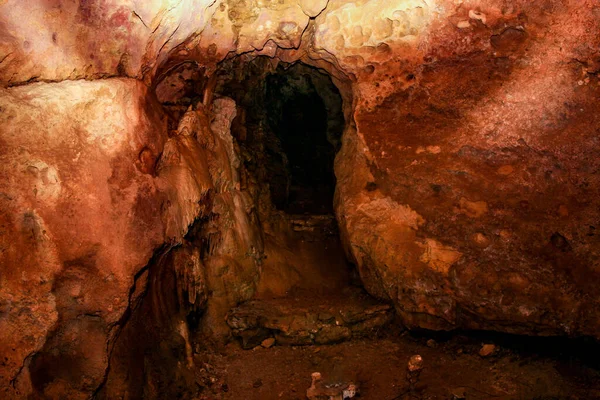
(93, 39)
(92, 187)
(214, 268)
(80, 217)
(467, 195)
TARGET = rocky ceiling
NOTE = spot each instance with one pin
(467, 182)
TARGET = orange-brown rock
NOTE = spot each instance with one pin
(467, 181)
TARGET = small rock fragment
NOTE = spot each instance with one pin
(350, 391)
(481, 239)
(487, 350)
(431, 343)
(268, 343)
(257, 383)
(560, 242)
(415, 363)
(314, 390)
(478, 15)
(463, 24)
(415, 366)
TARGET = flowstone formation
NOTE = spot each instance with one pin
(467, 178)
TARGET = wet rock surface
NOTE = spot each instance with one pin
(309, 319)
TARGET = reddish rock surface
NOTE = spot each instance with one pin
(79, 220)
(480, 163)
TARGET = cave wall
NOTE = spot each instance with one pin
(92, 189)
(467, 180)
(468, 195)
(194, 282)
(80, 217)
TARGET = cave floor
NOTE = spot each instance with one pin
(453, 369)
(517, 368)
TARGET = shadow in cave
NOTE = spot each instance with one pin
(289, 127)
(300, 124)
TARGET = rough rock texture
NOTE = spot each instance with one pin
(80, 217)
(214, 269)
(85, 204)
(467, 180)
(469, 194)
(302, 320)
(92, 39)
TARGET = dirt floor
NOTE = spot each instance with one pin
(455, 364)
(518, 368)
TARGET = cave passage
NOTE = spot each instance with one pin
(301, 127)
(293, 124)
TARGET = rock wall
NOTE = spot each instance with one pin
(80, 218)
(468, 192)
(191, 286)
(91, 188)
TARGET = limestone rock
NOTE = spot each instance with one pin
(466, 186)
(80, 221)
(487, 350)
(300, 321)
(312, 8)
(268, 343)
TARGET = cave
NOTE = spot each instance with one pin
(299, 199)
(293, 124)
(309, 146)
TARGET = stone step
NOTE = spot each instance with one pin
(309, 319)
(325, 224)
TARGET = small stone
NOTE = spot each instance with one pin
(431, 343)
(268, 343)
(477, 15)
(463, 24)
(487, 350)
(481, 239)
(415, 363)
(505, 235)
(257, 383)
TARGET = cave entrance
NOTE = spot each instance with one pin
(290, 125)
(300, 123)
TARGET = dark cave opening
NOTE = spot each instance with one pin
(292, 128)
(301, 127)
